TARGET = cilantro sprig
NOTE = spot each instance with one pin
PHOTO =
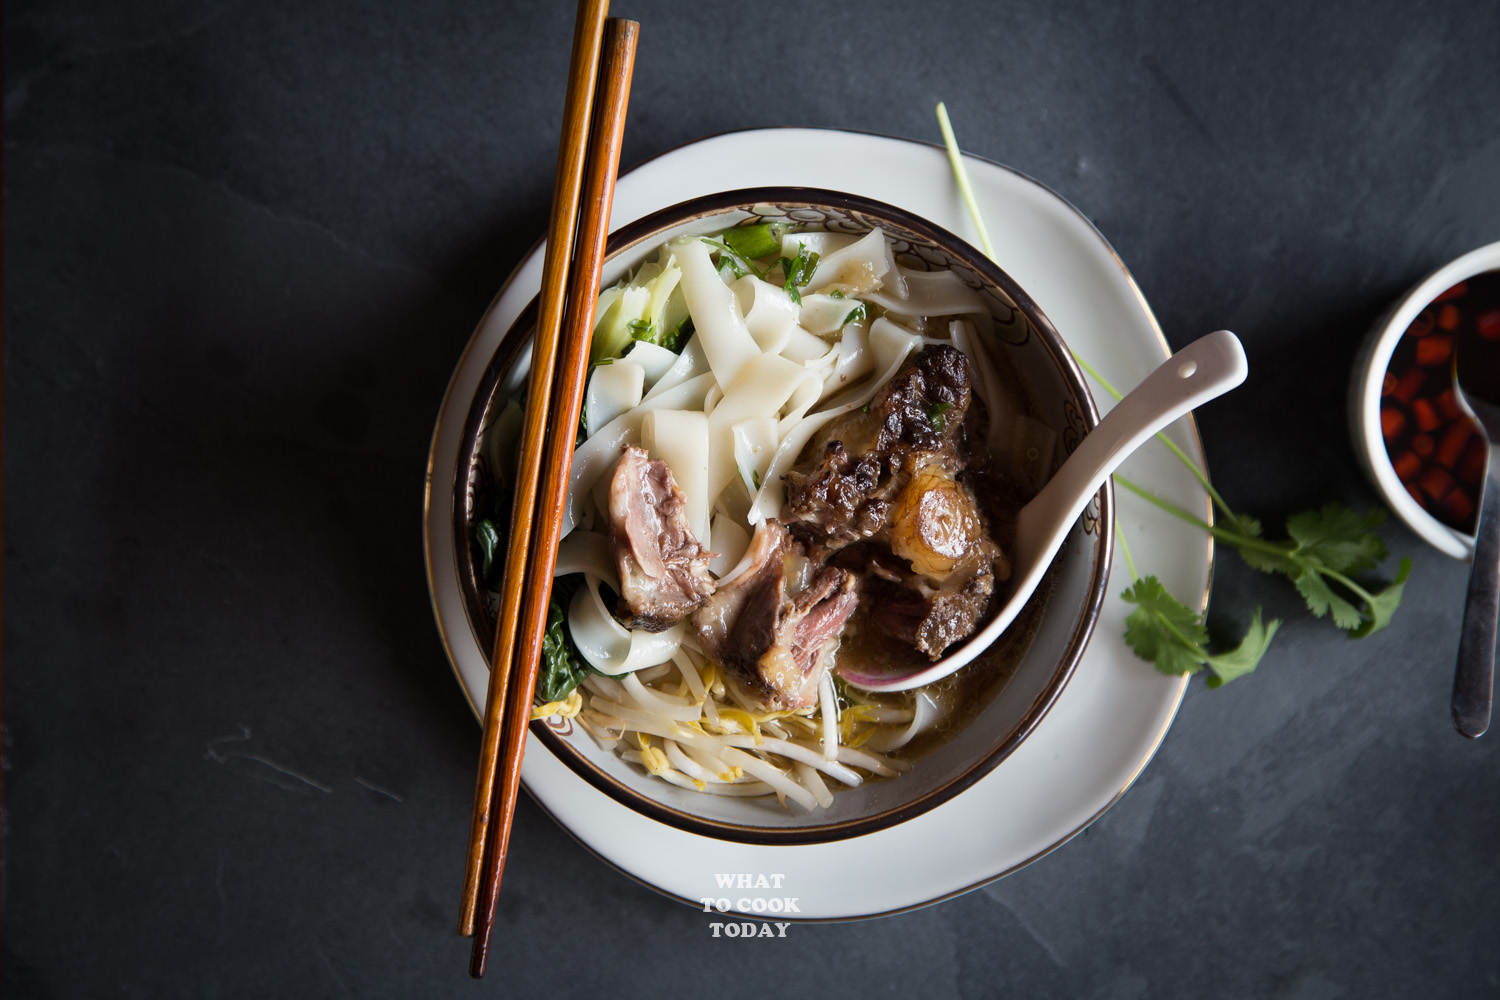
(1326, 549)
(1325, 555)
(796, 271)
(1164, 631)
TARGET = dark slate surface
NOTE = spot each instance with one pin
(244, 245)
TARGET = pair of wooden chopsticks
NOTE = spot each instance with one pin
(588, 158)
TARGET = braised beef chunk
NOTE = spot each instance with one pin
(889, 482)
(866, 457)
(775, 625)
(663, 570)
(931, 619)
(881, 514)
(843, 499)
(715, 620)
(923, 406)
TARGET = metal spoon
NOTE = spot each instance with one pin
(1194, 375)
(1474, 676)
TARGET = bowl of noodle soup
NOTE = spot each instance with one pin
(739, 335)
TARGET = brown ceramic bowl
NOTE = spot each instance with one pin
(1008, 689)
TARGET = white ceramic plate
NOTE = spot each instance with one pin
(1114, 713)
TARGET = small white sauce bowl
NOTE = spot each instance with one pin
(1365, 391)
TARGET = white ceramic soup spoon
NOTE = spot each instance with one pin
(1205, 369)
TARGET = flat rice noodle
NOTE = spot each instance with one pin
(680, 439)
(762, 388)
(608, 646)
(999, 402)
(804, 348)
(825, 315)
(931, 294)
(853, 362)
(859, 268)
(754, 443)
(613, 389)
(585, 552)
(596, 457)
(655, 360)
(808, 392)
(689, 364)
(820, 242)
(720, 327)
(770, 314)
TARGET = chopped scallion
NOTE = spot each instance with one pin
(935, 415)
(799, 271)
(754, 242)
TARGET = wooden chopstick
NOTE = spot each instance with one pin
(606, 136)
(588, 36)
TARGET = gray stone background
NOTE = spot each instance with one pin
(244, 246)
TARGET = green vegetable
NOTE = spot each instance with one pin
(562, 667)
(1323, 553)
(858, 314)
(935, 415)
(798, 270)
(754, 242)
(1164, 631)
(488, 537)
(678, 335)
(731, 262)
(650, 307)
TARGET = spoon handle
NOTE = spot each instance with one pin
(1206, 368)
(1474, 679)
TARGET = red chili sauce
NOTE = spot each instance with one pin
(1437, 449)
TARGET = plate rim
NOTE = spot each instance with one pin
(1189, 423)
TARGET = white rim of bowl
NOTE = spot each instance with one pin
(1391, 328)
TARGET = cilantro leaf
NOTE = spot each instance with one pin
(1383, 603)
(1266, 561)
(935, 415)
(1166, 632)
(1325, 548)
(1247, 655)
(1338, 538)
(1322, 600)
(1244, 524)
(1162, 630)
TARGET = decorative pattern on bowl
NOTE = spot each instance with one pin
(1047, 645)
